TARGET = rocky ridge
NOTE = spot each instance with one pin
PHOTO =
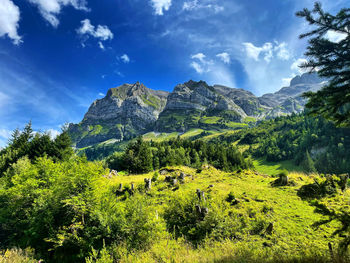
(132, 109)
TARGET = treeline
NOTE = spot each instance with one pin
(33, 145)
(312, 142)
(142, 156)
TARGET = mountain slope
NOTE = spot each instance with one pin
(124, 112)
(131, 110)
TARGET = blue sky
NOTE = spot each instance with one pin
(58, 56)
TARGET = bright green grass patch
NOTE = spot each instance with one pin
(249, 119)
(236, 125)
(272, 168)
(158, 137)
(151, 101)
(210, 120)
(191, 133)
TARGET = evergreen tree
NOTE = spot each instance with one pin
(308, 164)
(331, 60)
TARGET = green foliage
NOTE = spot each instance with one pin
(142, 156)
(308, 164)
(183, 219)
(155, 177)
(332, 61)
(152, 101)
(58, 209)
(26, 143)
(310, 142)
(16, 255)
(327, 186)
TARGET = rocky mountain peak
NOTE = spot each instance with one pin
(133, 109)
(191, 84)
(306, 78)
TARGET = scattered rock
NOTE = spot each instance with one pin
(182, 176)
(283, 180)
(113, 173)
(148, 183)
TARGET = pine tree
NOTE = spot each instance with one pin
(308, 164)
(331, 60)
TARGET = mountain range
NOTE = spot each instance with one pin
(133, 109)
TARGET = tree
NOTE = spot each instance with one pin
(331, 59)
(308, 164)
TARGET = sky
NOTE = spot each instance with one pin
(58, 56)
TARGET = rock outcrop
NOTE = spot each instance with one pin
(133, 109)
(124, 112)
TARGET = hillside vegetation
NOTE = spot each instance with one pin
(312, 143)
(75, 210)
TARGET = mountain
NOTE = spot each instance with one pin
(123, 113)
(288, 99)
(133, 109)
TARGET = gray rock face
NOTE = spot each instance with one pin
(132, 109)
(289, 99)
(126, 111)
(200, 96)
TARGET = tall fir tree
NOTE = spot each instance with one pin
(331, 59)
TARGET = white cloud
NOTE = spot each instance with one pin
(4, 99)
(125, 58)
(160, 6)
(100, 32)
(194, 5)
(200, 56)
(214, 73)
(9, 19)
(49, 9)
(334, 36)
(101, 45)
(53, 133)
(295, 66)
(190, 5)
(4, 133)
(225, 57)
(252, 51)
(286, 81)
(282, 51)
(197, 67)
(4, 137)
(202, 64)
(268, 50)
(101, 94)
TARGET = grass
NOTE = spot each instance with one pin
(293, 235)
(249, 120)
(151, 101)
(158, 137)
(272, 168)
(210, 120)
(236, 125)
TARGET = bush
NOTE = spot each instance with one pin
(183, 219)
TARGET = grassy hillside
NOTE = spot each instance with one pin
(161, 224)
(62, 208)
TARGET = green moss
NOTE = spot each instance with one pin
(249, 119)
(210, 120)
(151, 101)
